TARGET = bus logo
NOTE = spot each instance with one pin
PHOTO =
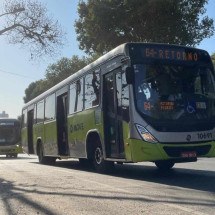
(190, 108)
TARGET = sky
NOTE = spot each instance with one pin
(17, 60)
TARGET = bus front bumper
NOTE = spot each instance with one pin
(13, 149)
(144, 151)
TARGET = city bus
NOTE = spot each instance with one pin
(10, 142)
(138, 102)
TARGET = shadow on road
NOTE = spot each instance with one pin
(10, 191)
(179, 177)
(203, 180)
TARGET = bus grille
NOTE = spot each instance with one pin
(177, 151)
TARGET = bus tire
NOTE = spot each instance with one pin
(99, 163)
(41, 158)
(164, 165)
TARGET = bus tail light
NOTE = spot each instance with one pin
(146, 136)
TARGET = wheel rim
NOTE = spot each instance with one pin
(98, 155)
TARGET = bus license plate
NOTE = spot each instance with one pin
(188, 154)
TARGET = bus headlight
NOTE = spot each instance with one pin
(146, 136)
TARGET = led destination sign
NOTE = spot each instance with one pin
(141, 52)
(170, 54)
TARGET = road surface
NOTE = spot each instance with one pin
(27, 187)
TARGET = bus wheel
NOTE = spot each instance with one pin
(41, 157)
(98, 160)
(164, 164)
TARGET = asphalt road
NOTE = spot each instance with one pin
(27, 187)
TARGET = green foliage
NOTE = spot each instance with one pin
(54, 74)
(105, 24)
(64, 68)
(35, 89)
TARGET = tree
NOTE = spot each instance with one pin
(34, 89)
(64, 68)
(26, 23)
(54, 74)
(104, 24)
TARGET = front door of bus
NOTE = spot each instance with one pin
(112, 120)
(30, 131)
(62, 124)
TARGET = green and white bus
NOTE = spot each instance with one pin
(10, 142)
(139, 102)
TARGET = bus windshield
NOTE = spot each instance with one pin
(180, 94)
(9, 133)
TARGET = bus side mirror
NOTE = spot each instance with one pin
(129, 74)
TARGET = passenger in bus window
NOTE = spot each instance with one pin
(95, 85)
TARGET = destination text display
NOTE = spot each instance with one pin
(170, 54)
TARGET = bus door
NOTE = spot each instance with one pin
(30, 131)
(62, 136)
(113, 130)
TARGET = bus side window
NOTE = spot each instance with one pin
(92, 88)
(76, 96)
(72, 99)
(24, 118)
(122, 96)
(50, 107)
(79, 95)
(35, 114)
(40, 111)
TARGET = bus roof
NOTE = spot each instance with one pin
(119, 50)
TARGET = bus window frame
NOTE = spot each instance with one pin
(24, 118)
(42, 121)
(98, 70)
(69, 96)
(45, 101)
(35, 113)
